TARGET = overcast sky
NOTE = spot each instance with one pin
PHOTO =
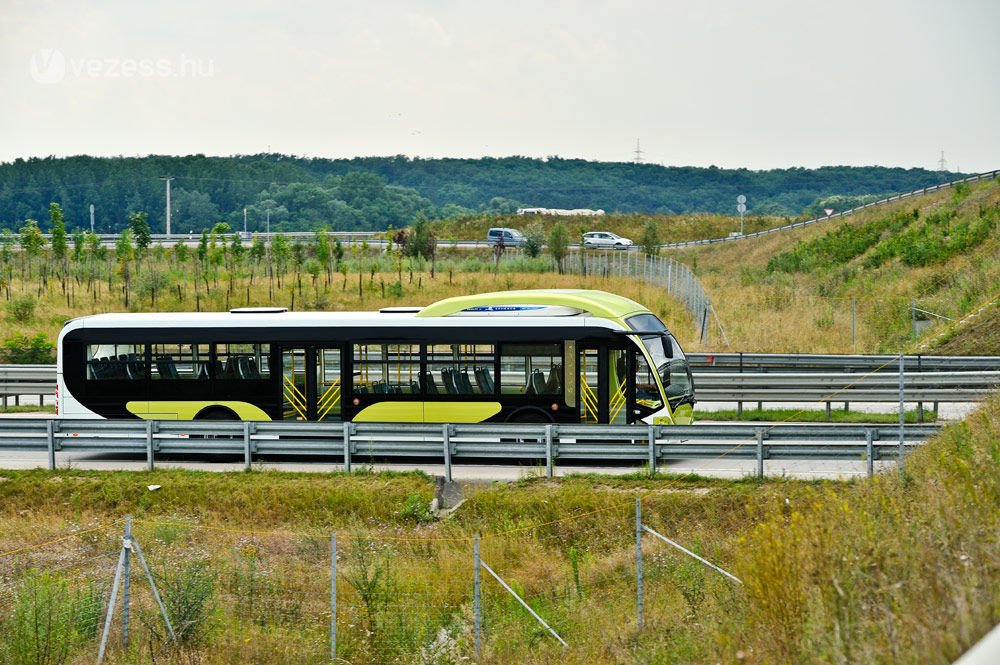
(758, 84)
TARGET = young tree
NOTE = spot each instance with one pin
(32, 242)
(559, 244)
(534, 239)
(138, 224)
(650, 240)
(59, 243)
(123, 255)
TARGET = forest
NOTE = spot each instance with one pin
(288, 193)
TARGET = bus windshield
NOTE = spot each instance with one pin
(672, 367)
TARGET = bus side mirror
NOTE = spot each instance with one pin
(668, 348)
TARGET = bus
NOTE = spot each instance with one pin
(534, 356)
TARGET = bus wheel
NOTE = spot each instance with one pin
(217, 413)
(528, 417)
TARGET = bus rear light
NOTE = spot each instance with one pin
(57, 398)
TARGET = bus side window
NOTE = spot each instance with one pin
(180, 362)
(531, 369)
(463, 369)
(116, 362)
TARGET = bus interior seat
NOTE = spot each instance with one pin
(448, 379)
(483, 379)
(166, 367)
(537, 382)
(465, 383)
(432, 388)
(554, 383)
(202, 370)
(415, 387)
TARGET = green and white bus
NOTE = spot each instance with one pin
(564, 356)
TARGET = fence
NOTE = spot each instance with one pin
(362, 443)
(287, 597)
(675, 278)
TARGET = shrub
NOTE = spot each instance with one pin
(49, 621)
(22, 350)
(22, 309)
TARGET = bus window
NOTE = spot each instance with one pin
(460, 369)
(647, 393)
(180, 362)
(531, 369)
(243, 362)
(387, 369)
(125, 362)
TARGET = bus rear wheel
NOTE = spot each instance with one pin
(217, 413)
(528, 417)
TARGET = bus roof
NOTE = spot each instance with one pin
(540, 308)
(596, 303)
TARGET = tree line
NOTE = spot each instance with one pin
(288, 193)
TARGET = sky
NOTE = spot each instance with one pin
(732, 83)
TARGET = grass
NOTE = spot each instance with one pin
(900, 569)
(811, 416)
(812, 310)
(28, 408)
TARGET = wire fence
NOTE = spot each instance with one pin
(284, 597)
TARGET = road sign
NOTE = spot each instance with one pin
(741, 199)
(741, 207)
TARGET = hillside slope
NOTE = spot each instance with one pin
(849, 285)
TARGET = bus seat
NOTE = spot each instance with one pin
(465, 383)
(448, 379)
(202, 370)
(415, 387)
(229, 370)
(553, 385)
(166, 367)
(537, 382)
(483, 379)
(432, 388)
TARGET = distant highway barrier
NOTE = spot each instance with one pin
(362, 443)
(864, 385)
(989, 175)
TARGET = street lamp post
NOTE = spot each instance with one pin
(167, 179)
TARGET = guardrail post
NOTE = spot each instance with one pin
(347, 447)
(902, 412)
(51, 439)
(149, 444)
(548, 450)
(446, 441)
(869, 452)
(651, 438)
(247, 461)
(760, 453)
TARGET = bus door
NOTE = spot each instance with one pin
(311, 383)
(603, 379)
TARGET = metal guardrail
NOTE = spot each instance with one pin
(354, 443)
(898, 197)
(809, 362)
(844, 387)
(753, 386)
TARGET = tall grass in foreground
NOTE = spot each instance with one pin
(903, 568)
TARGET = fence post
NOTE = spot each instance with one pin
(476, 605)
(51, 439)
(902, 413)
(638, 557)
(126, 570)
(149, 445)
(760, 452)
(333, 597)
(651, 436)
(347, 447)
(246, 447)
(548, 450)
(869, 453)
(446, 439)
